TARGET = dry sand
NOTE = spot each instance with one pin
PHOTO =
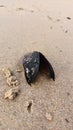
(25, 26)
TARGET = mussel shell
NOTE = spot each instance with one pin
(33, 63)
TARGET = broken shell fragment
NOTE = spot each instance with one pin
(10, 78)
(12, 81)
(12, 93)
(33, 63)
(49, 116)
(7, 72)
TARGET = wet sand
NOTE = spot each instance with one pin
(45, 26)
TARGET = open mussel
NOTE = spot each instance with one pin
(33, 63)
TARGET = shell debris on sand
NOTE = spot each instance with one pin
(12, 93)
(49, 116)
(11, 79)
(7, 72)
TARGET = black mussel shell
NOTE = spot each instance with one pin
(33, 63)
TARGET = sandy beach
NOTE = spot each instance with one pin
(45, 26)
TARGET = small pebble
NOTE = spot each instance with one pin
(66, 31)
(66, 120)
(68, 18)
